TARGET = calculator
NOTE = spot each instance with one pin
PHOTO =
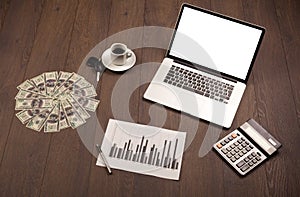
(247, 147)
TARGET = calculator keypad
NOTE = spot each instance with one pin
(239, 152)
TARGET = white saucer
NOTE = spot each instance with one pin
(107, 62)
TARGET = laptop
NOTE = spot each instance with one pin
(207, 65)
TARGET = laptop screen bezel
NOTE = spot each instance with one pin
(202, 67)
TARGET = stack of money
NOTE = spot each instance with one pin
(54, 101)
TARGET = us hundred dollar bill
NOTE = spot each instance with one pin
(86, 92)
(39, 82)
(23, 94)
(82, 83)
(25, 115)
(28, 86)
(37, 122)
(80, 110)
(89, 104)
(33, 103)
(62, 77)
(50, 81)
(63, 122)
(74, 119)
(52, 122)
(67, 85)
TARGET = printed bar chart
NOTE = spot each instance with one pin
(143, 149)
(146, 155)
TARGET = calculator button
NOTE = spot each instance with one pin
(258, 154)
(240, 141)
(244, 168)
(236, 149)
(244, 151)
(234, 135)
(226, 140)
(246, 159)
(250, 157)
(236, 143)
(254, 160)
(244, 144)
(219, 145)
(237, 156)
(228, 149)
(253, 154)
(232, 146)
(241, 163)
(232, 152)
(229, 155)
(243, 139)
(224, 151)
(223, 143)
(250, 163)
(232, 159)
(248, 148)
(230, 138)
(241, 154)
(240, 147)
(257, 158)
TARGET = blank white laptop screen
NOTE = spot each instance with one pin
(215, 43)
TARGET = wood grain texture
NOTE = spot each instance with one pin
(4, 5)
(276, 110)
(16, 42)
(26, 153)
(38, 36)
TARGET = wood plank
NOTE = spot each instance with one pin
(247, 110)
(69, 160)
(17, 37)
(123, 15)
(276, 107)
(288, 15)
(4, 5)
(26, 154)
(164, 14)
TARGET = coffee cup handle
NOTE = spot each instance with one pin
(128, 54)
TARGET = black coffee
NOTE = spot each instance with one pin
(118, 51)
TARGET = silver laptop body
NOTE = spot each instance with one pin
(207, 65)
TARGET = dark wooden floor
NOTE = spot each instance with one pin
(41, 35)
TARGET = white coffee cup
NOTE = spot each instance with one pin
(119, 54)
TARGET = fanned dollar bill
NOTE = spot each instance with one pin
(23, 94)
(54, 101)
(39, 82)
(63, 122)
(28, 86)
(68, 84)
(25, 115)
(37, 122)
(89, 104)
(85, 92)
(33, 103)
(52, 122)
(50, 81)
(62, 77)
(80, 110)
(82, 83)
(74, 119)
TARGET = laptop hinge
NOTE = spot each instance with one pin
(207, 70)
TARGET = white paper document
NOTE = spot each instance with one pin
(143, 149)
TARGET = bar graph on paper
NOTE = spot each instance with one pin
(164, 158)
(143, 149)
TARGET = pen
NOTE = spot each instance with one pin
(104, 159)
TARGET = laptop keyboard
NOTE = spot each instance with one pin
(200, 84)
